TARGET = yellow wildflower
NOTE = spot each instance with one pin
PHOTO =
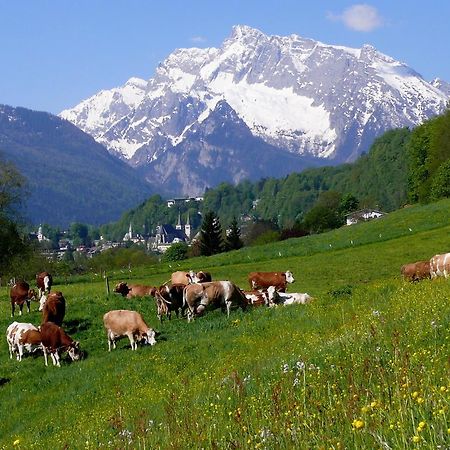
(16, 442)
(416, 439)
(358, 424)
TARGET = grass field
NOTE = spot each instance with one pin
(366, 365)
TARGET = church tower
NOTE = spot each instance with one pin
(187, 228)
(178, 226)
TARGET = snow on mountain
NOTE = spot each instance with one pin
(304, 97)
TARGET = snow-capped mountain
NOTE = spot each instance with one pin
(308, 102)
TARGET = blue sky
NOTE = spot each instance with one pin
(55, 53)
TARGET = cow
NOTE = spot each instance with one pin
(214, 294)
(21, 293)
(284, 298)
(55, 340)
(199, 277)
(122, 322)
(416, 271)
(44, 282)
(54, 308)
(440, 265)
(256, 298)
(20, 337)
(169, 298)
(134, 290)
(181, 277)
(262, 280)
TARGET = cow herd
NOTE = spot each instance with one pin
(437, 266)
(189, 294)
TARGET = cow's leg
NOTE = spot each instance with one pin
(228, 305)
(132, 341)
(20, 352)
(28, 305)
(13, 308)
(20, 309)
(109, 341)
(11, 347)
(56, 358)
(45, 355)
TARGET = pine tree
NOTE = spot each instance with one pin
(233, 241)
(211, 241)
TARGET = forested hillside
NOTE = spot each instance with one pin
(71, 178)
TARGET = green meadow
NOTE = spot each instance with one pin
(366, 365)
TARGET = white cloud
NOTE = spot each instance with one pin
(198, 39)
(359, 17)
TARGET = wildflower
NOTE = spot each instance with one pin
(415, 394)
(376, 313)
(443, 388)
(300, 365)
(285, 368)
(296, 381)
(422, 425)
(358, 424)
(416, 439)
(364, 409)
(374, 404)
(420, 400)
(16, 442)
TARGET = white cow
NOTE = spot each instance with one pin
(14, 335)
(285, 298)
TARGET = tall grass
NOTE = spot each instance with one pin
(364, 366)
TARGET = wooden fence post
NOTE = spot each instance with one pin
(107, 284)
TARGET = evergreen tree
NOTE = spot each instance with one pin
(233, 240)
(211, 241)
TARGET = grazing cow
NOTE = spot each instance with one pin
(256, 298)
(119, 323)
(215, 294)
(169, 298)
(440, 265)
(262, 280)
(56, 340)
(416, 271)
(134, 290)
(181, 277)
(21, 293)
(199, 277)
(284, 298)
(22, 336)
(44, 282)
(54, 308)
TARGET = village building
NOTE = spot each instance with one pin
(363, 215)
(167, 234)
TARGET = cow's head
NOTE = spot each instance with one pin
(272, 296)
(74, 351)
(149, 337)
(192, 277)
(122, 288)
(289, 277)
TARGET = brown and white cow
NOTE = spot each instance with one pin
(122, 322)
(262, 280)
(256, 298)
(199, 277)
(134, 290)
(416, 271)
(284, 298)
(44, 282)
(54, 308)
(21, 293)
(440, 265)
(20, 337)
(55, 341)
(215, 294)
(169, 298)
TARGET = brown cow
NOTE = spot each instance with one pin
(262, 280)
(21, 293)
(440, 265)
(134, 290)
(416, 271)
(169, 298)
(119, 323)
(44, 282)
(55, 340)
(215, 294)
(54, 308)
